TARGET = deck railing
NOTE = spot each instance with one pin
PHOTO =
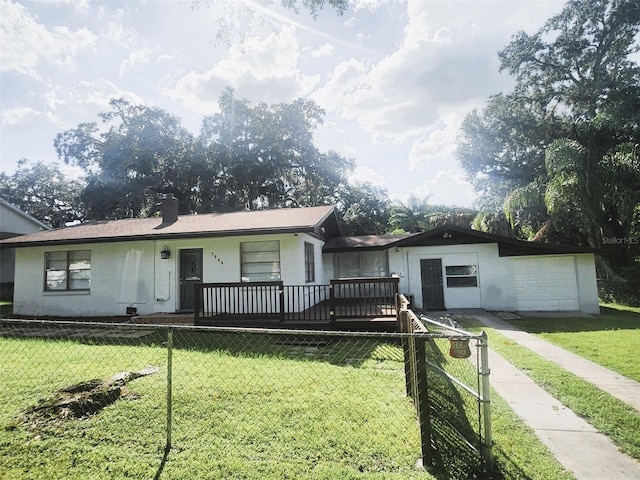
(353, 298)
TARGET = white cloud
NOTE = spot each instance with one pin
(325, 50)
(78, 5)
(330, 136)
(85, 100)
(367, 175)
(437, 145)
(258, 69)
(118, 34)
(25, 42)
(15, 115)
(135, 59)
(446, 187)
(446, 61)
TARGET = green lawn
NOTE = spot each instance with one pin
(611, 339)
(243, 407)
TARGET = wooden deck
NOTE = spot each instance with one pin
(313, 320)
(344, 300)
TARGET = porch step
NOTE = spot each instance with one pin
(164, 319)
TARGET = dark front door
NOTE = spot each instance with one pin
(431, 276)
(190, 274)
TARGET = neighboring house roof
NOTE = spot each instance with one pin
(319, 221)
(449, 235)
(14, 221)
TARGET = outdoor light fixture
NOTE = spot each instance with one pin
(165, 252)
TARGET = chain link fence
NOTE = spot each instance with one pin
(94, 400)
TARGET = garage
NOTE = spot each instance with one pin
(546, 283)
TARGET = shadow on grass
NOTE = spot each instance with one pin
(455, 423)
(162, 464)
(336, 350)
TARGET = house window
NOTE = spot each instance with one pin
(462, 275)
(66, 271)
(309, 263)
(361, 264)
(260, 261)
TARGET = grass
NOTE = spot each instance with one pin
(237, 413)
(607, 414)
(611, 339)
(243, 407)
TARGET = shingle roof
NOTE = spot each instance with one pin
(367, 242)
(449, 235)
(284, 220)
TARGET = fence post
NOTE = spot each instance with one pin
(403, 316)
(422, 402)
(486, 401)
(169, 387)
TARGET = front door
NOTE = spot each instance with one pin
(190, 274)
(431, 276)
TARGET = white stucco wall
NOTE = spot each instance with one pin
(587, 283)
(133, 274)
(496, 288)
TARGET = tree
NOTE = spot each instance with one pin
(591, 190)
(141, 153)
(579, 63)
(42, 191)
(416, 215)
(553, 150)
(265, 157)
(363, 208)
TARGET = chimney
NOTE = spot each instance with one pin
(169, 209)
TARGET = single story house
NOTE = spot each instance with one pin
(152, 265)
(13, 222)
(455, 267)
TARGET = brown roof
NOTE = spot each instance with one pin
(284, 220)
(365, 242)
(449, 235)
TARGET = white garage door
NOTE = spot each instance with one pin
(546, 283)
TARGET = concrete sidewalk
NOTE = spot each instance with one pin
(578, 446)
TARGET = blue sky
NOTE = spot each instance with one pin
(395, 78)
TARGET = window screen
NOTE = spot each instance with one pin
(462, 276)
(260, 261)
(67, 270)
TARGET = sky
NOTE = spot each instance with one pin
(394, 77)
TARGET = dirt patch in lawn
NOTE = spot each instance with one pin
(80, 400)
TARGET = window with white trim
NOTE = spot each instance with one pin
(461, 276)
(67, 270)
(309, 262)
(260, 261)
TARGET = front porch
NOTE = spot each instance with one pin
(355, 303)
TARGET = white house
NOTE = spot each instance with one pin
(454, 267)
(153, 264)
(13, 222)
